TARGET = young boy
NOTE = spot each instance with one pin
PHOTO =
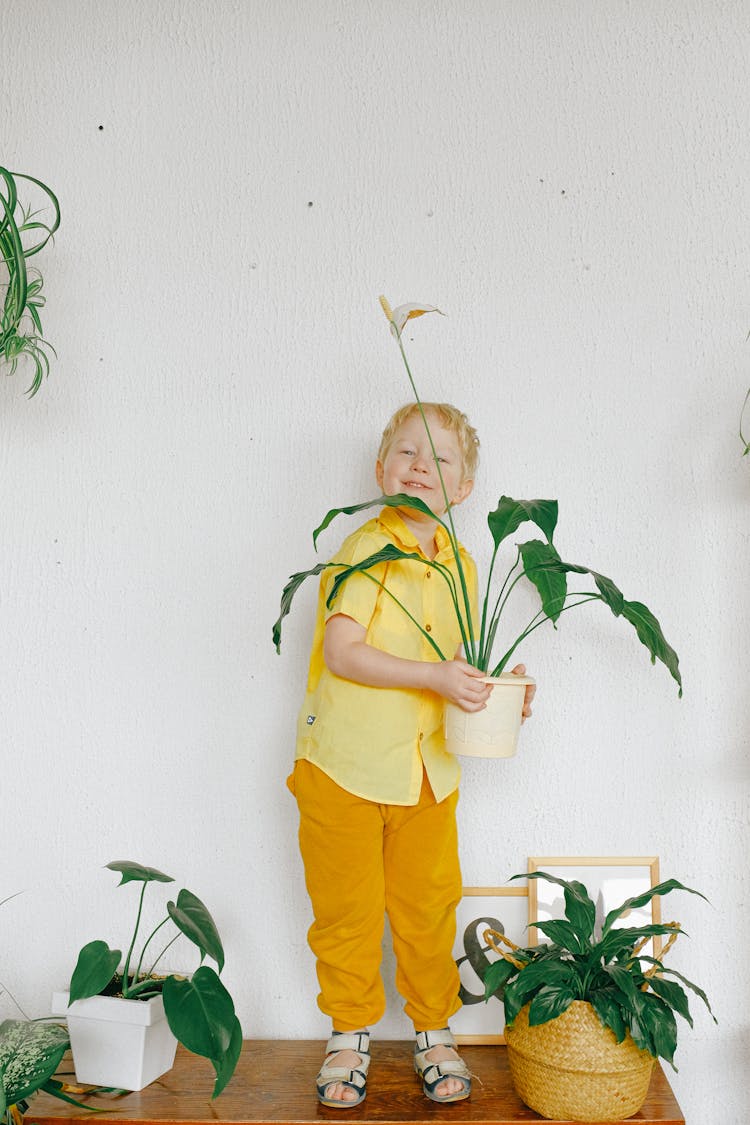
(376, 789)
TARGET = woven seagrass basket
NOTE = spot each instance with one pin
(573, 1068)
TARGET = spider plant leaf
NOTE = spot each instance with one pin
(136, 873)
(637, 901)
(510, 514)
(193, 919)
(550, 580)
(399, 500)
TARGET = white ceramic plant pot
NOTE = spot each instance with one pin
(492, 733)
(116, 1042)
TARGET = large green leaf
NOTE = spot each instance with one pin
(550, 1002)
(495, 976)
(673, 995)
(621, 939)
(579, 908)
(200, 1012)
(650, 634)
(400, 500)
(96, 966)
(609, 1012)
(657, 1018)
(562, 933)
(192, 917)
(510, 514)
(637, 901)
(538, 558)
(136, 873)
(688, 983)
(30, 1053)
(389, 553)
(226, 1065)
(287, 595)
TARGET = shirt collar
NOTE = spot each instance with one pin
(393, 522)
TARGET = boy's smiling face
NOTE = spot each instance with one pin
(409, 465)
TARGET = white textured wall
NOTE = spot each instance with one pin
(239, 180)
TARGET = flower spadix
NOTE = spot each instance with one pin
(398, 317)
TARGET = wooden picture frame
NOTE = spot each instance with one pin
(481, 908)
(609, 880)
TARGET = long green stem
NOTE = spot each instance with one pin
(153, 934)
(471, 652)
(126, 969)
(164, 950)
(534, 624)
(401, 605)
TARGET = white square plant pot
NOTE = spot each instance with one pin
(122, 1043)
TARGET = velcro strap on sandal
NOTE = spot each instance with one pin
(358, 1041)
(440, 1038)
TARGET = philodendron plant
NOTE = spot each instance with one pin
(600, 964)
(199, 1010)
(23, 233)
(536, 560)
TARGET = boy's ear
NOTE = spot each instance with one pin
(463, 490)
(379, 474)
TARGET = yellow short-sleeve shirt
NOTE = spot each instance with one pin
(372, 741)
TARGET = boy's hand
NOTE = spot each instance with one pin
(520, 670)
(459, 683)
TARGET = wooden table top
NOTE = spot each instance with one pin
(273, 1085)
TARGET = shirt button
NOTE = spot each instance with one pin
(428, 628)
(428, 574)
(421, 735)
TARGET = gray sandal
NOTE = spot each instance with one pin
(355, 1079)
(433, 1073)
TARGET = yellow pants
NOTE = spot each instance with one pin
(363, 860)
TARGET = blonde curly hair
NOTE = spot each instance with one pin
(451, 418)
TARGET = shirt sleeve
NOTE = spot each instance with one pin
(357, 596)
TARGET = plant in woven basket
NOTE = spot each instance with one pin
(603, 965)
(23, 233)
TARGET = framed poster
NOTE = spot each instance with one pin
(609, 880)
(504, 909)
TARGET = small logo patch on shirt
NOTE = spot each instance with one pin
(310, 720)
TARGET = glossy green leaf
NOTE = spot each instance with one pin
(549, 580)
(226, 1065)
(658, 1020)
(562, 933)
(30, 1053)
(688, 983)
(96, 966)
(400, 500)
(510, 514)
(609, 1012)
(194, 920)
(550, 1002)
(495, 976)
(620, 939)
(287, 596)
(673, 995)
(200, 1013)
(650, 634)
(637, 901)
(136, 873)
(579, 908)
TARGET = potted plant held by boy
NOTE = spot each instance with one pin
(492, 732)
(125, 1020)
(588, 1012)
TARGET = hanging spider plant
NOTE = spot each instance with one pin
(23, 233)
